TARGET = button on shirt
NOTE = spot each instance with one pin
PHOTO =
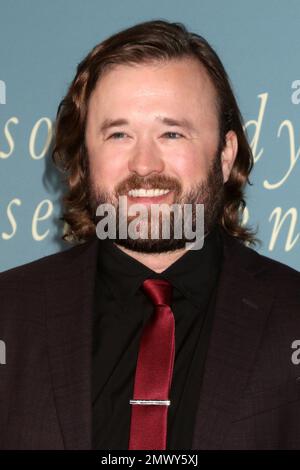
(120, 313)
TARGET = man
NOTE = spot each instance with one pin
(151, 116)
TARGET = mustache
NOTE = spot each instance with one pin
(153, 182)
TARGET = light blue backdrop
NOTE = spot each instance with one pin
(41, 42)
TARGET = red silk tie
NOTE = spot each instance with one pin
(153, 376)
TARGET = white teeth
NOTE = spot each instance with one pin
(147, 192)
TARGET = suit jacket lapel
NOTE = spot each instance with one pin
(242, 307)
(69, 306)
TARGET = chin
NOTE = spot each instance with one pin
(152, 246)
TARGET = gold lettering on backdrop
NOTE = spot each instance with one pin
(11, 218)
(257, 126)
(9, 138)
(245, 216)
(42, 212)
(37, 217)
(279, 219)
(33, 136)
(286, 124)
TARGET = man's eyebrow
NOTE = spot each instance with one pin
(107, 123)
(185, 123)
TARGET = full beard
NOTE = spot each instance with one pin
(210, 193)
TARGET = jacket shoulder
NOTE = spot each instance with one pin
(242, 257)
(273, 267)
(50, 265)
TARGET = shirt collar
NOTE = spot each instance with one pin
(194, 274)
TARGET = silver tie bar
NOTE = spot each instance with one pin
(150, 402)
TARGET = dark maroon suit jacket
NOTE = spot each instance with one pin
(250, 398)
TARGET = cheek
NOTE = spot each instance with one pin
(106, 169)
(190, 166)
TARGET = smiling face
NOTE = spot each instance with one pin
(155, 126)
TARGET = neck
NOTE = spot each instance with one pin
(157, 262)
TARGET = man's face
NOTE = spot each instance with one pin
(155, 126)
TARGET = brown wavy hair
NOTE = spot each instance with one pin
(150, 41)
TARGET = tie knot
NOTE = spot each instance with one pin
(158, 290)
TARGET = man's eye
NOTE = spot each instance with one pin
(172, 134)
(116, 135)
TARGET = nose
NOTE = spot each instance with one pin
(146, 159)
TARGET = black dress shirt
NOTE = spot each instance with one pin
(121, 311)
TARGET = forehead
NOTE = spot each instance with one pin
(181, 84)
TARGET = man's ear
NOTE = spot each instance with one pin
(229, 154)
